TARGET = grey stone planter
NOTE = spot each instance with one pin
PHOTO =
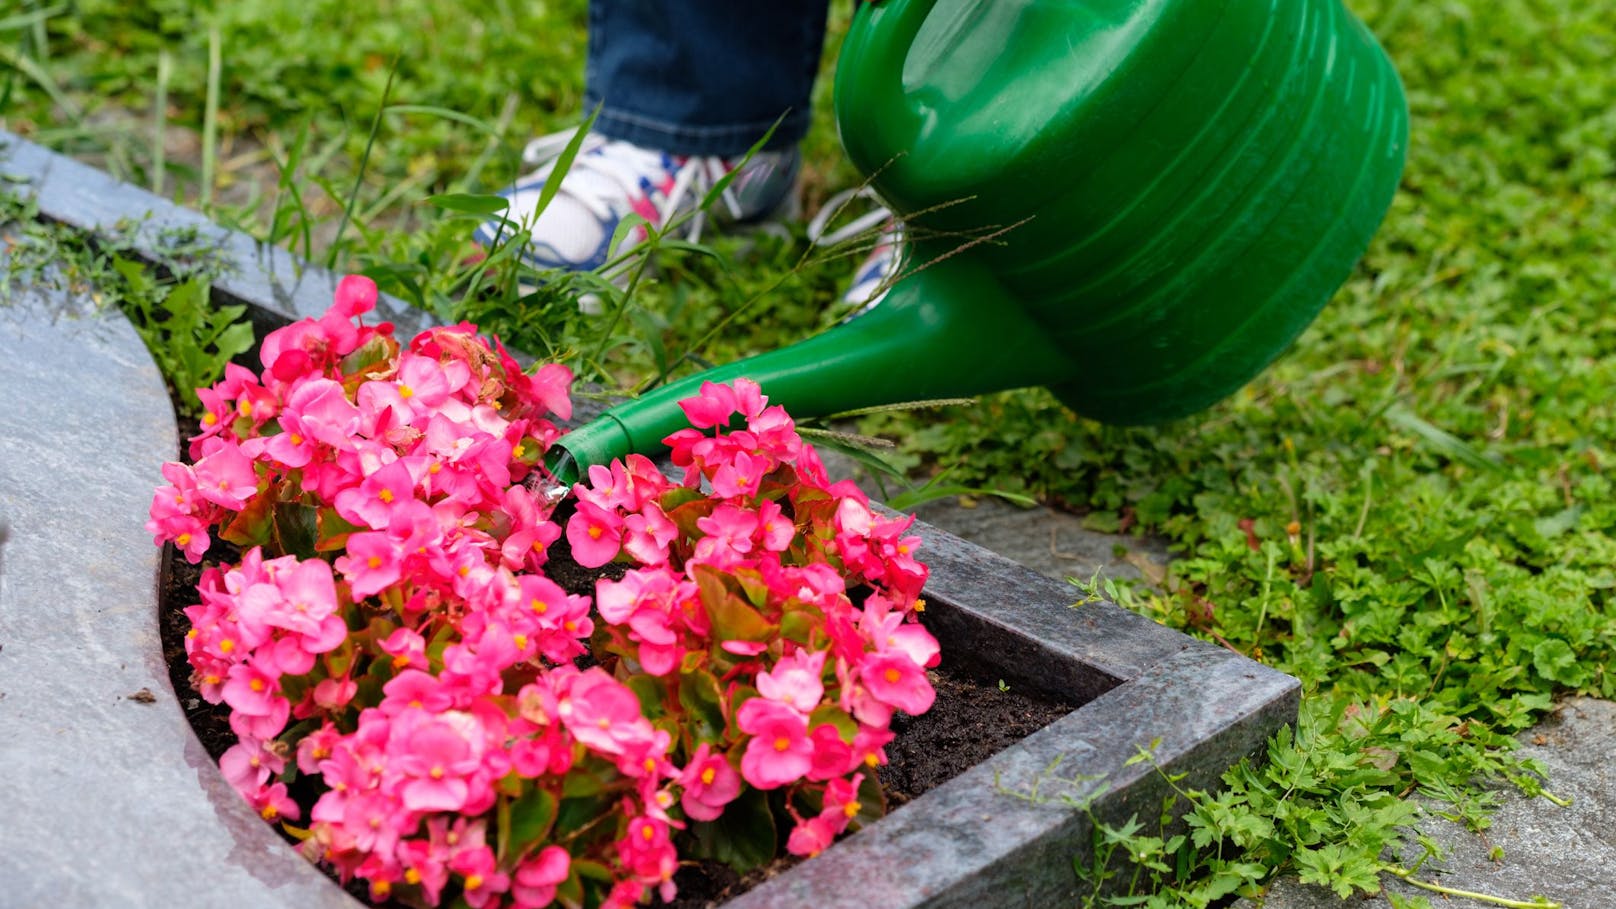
(113, 801)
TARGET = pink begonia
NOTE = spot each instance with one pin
(481, 880)
(796, 680)
(895, 679)
(248, 764)
(780, 751)
(225, 476)
(595, 535)
(647, 533)
(534, 884)
(709, 784)
(382, 492)
(647, 851)
(372, 564)
(407, 648)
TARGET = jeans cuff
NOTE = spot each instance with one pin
(722, 140)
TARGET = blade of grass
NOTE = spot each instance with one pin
(210, 117)
(29, 67)
(30, 20)
(507, 114)
(159, 153)
(1444, 442)
(364, 164)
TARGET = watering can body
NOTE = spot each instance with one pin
(1170, 190)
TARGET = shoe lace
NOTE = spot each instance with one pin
(818, 232)
(606, 172)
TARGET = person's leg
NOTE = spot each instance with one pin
(684, 87)
(703, 77)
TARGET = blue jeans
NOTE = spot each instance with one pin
(703, 77)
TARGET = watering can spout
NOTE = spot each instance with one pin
(928, 339)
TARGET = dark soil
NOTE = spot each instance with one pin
(974, 717)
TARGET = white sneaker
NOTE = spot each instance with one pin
(609, 179)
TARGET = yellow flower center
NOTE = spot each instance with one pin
(386, 495)
(707, 776)
(412, 876)
(521, 641)
(647, 832)
(892, 675)
(226, 645)
(474, 881)
(782, 743)
(210, 418)
(269, 813)
(256, 684)
(296, 439)
(595, 532)
(851, 808)
(183, 540)
(244, 406)
(437, 773)
(540, 607)
(374, 562)
(406, 392)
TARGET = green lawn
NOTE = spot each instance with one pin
(1427, 473)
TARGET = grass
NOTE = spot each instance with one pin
(1411, 511)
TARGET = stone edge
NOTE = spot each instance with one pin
(1115, 660)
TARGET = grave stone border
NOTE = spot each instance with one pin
(1003, 833)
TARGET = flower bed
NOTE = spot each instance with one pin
(392, 627)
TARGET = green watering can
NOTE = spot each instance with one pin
(1191, 181)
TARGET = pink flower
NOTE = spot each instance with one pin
(248, 765)
(324, 412)
(226, 477)
(709, 784)
(740, 476)
(535, 882)
(481, 879)
(373, 503)
(647, 533)
(595, 535)
(356, 295)
(646, 850)
(774, 530)
(796, 680)
(810, 837)
(435, 757)
(894, 679)
(601, 712)
(780, 751)
(407, 648)
(713, 406)
(371, 565)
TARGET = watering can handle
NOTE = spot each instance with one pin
(885, 46)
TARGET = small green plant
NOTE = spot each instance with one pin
(168, 303)
(190, 338)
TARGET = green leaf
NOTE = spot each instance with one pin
(1554, 660)
(732, 618)
(650, 690)
(531, 818)
(743, 837)
(702, 700)
(469, 203)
